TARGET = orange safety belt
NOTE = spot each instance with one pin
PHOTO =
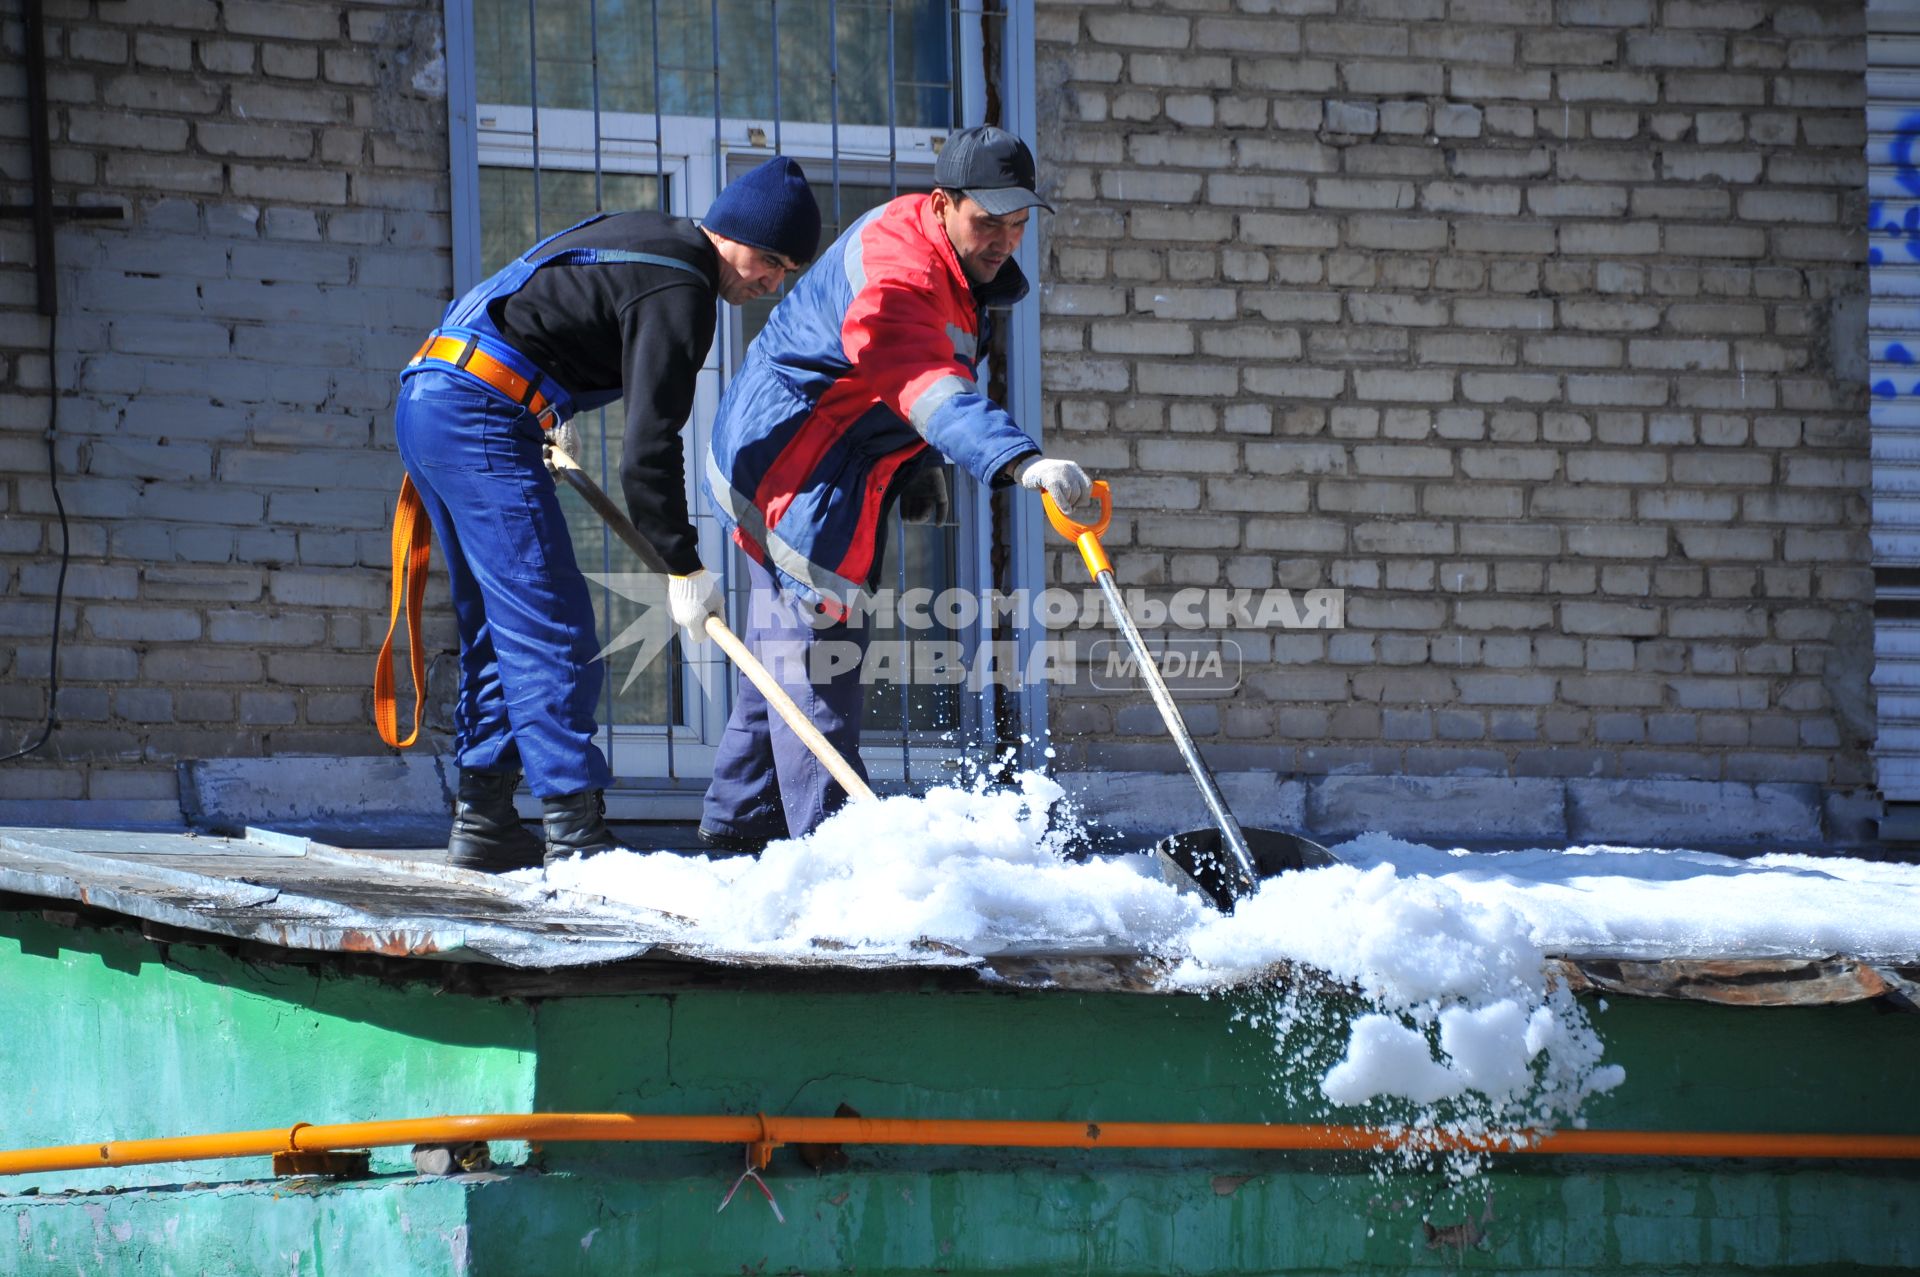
(412, 544)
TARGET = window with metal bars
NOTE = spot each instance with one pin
(580, 106)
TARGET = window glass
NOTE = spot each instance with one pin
(508, 227)
(579, 46)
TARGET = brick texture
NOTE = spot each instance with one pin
(1522, 323)
(224, 456)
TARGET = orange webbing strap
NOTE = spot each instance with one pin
(412, 543)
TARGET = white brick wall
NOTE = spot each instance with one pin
(229, 353)
(1512, 317)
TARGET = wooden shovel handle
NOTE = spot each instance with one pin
(822, 748)
(836, 764)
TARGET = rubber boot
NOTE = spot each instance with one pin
(487, 833)
(576, 825)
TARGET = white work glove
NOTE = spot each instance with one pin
(1064, 481)
(692, 599)
(925, 499)
(566, 438)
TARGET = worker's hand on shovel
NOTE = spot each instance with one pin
(1064, 481)
(692, 599)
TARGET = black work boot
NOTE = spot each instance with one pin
(487, 833)
(576, 825)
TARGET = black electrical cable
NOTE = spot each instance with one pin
(66, 548)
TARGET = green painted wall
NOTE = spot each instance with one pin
(1040, 1055)
(1100, 1217)
(110, 1036)
(121, 1038)
(1081, 1215)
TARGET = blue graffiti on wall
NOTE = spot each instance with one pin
(1896, 354)
(1903, 230)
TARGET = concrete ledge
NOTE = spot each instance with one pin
(1490, 810)
(228, 794)
(1468, 808)
(417, 1225)
(1159, 803)
(366, 800)
(1678, 812)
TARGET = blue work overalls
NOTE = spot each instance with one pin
(528, 677)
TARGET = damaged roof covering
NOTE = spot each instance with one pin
(292, 893)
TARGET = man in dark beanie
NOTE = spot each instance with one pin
(852, 399)
(618, 307)
(771, 207)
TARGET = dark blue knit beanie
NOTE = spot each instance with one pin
(769, 207)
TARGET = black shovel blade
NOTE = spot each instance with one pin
(1198, 858)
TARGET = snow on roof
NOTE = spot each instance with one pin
(964, 876)
(1465, 962)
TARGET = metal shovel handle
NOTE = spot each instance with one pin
(566, 468)
(1087, 537)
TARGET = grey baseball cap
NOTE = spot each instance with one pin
(990, 166)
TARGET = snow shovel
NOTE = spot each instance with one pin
(566, 468)
(1227, 861)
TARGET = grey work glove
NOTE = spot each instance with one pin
(692, 599)
(1064, 481)
(924, 499)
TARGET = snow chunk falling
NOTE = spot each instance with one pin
(1461, 1010)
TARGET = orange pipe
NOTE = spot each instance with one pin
(762, 1134)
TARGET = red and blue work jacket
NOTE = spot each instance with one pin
(868, 362)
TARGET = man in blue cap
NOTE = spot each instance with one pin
(618, 307)
(849, 402)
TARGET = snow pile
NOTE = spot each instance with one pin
(1635, 902)
(1449, 1023)
(976, 868)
